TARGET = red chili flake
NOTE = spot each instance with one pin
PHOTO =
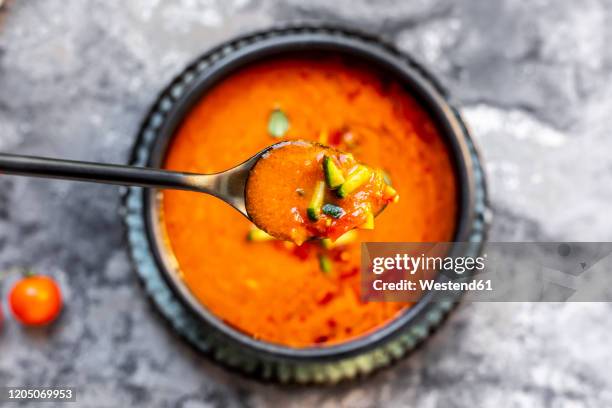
(326, 298)
(278, 245)
(348, 273)
(351, 95)
(335, 254)
(335, 138)
(321, 339)
(302, 251)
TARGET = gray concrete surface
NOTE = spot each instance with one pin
(534, 79)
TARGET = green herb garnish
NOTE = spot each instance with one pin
(278, 123)
(333, 211)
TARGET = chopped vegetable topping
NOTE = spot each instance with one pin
(333, 211)
(327, 243)
(301, 190)
(391, 194)
(316, 202)
(257, 235)
(355, 180)
(333, 174)
(369, 222)
(325, 263)
(386, 177)
(278, 123)
(347, 238)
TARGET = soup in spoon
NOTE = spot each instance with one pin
(300, 190)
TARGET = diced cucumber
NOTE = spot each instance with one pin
(257, 235)
(316, 202)
(333, 211)
(390, 193)
(369, 222)
(325, 264)
(347, 238)
(333, 174)
(327, 243)
(386, 177)
(355, 180)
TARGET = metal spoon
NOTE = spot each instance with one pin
(228, 185)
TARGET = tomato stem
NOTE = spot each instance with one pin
(27, 272)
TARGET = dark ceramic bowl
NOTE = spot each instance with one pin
(157, 268)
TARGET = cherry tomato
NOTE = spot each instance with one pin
(35, 300)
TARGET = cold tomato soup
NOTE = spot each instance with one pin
(276, 291)
(299, 190)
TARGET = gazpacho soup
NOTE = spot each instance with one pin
(278, 291)
(301, 190)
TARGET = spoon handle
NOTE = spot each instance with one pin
(96, 172)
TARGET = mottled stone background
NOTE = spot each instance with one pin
(533, 78)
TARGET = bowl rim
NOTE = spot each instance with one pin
(234, 54)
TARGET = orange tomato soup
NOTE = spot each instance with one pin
(274, 290)
(287, 195)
